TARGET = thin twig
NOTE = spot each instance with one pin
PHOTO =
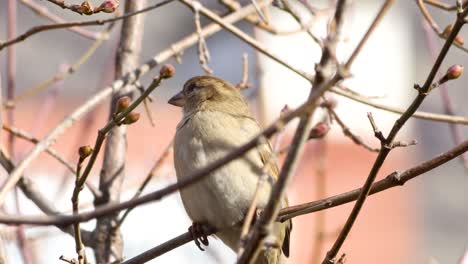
(62, 74)
(148, 112)
(42, 28)
(260, 14)
(290, 9)
(79, 246)
(86, 7)
(52, 152)
(243, 36)
(44, 12)
(443, 6)
(347, 132)
(252, 19)
(397, 110)
(203, 52)
(244, 83)
(435, 27)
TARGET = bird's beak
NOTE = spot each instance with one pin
(177, 100)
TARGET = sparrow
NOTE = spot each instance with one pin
(216, 120)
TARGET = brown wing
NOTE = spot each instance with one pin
(272, 169)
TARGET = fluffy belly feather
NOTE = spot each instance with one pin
(223, 197)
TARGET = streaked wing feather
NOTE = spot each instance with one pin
(272, 169)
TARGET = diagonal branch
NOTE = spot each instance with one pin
(44, 12)
(42, 28)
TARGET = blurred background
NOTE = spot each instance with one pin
(422, 222)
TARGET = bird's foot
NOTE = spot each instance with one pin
(197, 231)
(258, 214)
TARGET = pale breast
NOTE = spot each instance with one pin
(223, 197)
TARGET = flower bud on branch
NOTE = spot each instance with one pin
(85, 151)
(319, 130)
(108, 6)
(122, 104)
(131, 118)
(167, 71)
(454, 72)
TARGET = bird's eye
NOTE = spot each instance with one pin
(190, 87)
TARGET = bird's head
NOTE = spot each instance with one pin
(208, 93)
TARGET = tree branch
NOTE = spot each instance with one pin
(42, 28)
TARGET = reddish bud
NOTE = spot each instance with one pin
(87, 8)
(85, 151)
(167, 71)
(459, 40)
(319, 130)
(454, 72)
(330, 103)
(284, 110)
(131, 118)
(122, 104)
(109, 6)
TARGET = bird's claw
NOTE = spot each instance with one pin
(198, 235)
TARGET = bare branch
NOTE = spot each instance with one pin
(203, 52)
(347, 132)
(442, 34)
(24, 135)
(44, 12)
(246, 38)
(62, 74)
(397, 110)
(86, 7)
(42, 28)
